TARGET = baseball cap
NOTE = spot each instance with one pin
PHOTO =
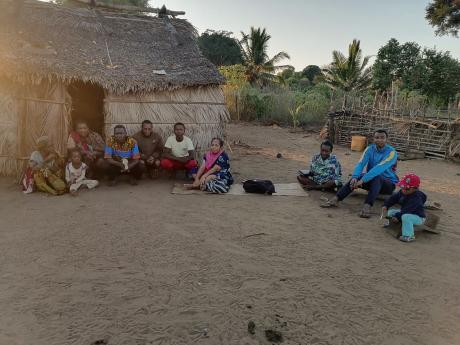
(409, 181)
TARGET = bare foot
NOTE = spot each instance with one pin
(73, 192)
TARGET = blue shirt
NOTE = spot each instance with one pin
(377, 162)
(410, 204)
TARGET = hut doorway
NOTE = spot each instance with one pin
(87, 105)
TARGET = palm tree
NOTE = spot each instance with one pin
(260, 69)
(349, 74)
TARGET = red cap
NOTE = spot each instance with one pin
(409, 181)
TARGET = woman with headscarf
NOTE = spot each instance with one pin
(214, 173)
(45, 172)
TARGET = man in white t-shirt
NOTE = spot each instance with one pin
(179, 152)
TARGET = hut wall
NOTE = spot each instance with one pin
(433, 138)
(8, 130)
(201, 109)
(27, 113)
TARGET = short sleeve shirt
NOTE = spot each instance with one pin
(117, 151)
(179, 148)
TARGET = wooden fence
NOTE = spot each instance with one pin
(437, 138)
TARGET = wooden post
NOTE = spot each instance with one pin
(331, 128)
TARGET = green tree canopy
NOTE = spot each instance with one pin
(438, 76)
(260, 69)
(395, 62)
(220, 48)
(444, 15)
(311, 72)
(349, 73)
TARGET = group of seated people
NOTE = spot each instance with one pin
(375, 173)
(90, 159)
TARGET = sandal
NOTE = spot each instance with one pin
(406, 238)
(365, 212)
(328, 204)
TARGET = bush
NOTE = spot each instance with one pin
(279, 105)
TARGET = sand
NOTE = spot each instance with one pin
(138, 265)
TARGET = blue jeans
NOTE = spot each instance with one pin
(408, 221)
(378, 185)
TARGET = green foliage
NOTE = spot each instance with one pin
(312, 72)
(234, 75)
(432, 73)
(439, 76)
(281, 105)
(260, 69)
(444, 15)
(395, 61)
(220, 48)
(349, 73)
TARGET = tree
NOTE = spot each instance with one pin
(311, 72)
(439, 76)
(349, 73)
(260, 69)
(395, 62)
(444, 15)
(220, 48)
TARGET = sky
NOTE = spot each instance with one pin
(310, 30)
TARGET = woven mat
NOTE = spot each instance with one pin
(282, 189)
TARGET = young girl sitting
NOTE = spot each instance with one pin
(412, 210)
(214, 174)
(75, 173)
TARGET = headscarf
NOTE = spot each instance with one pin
(211, 158)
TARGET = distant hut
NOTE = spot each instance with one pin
(60, 64)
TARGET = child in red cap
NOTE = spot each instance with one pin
(412, 211)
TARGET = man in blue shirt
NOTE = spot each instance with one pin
(375, 172)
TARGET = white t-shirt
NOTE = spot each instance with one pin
(179, 149)
(72, 174)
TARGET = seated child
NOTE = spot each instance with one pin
(412, 211)
(75, 173)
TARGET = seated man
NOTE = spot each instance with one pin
(122, 157)
(325, 171)
(380, 160)
(150, 146)
(179, 152)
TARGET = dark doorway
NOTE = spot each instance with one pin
(87, 105)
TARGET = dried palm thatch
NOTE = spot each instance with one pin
(149, 67)
(121, 52)
(202, 110)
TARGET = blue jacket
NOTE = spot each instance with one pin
(410, 204)
(377, 162)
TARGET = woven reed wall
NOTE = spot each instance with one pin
(27, 113)
(8, 130)
(432, 137)
(201, 109)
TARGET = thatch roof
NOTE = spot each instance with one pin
(120, 51)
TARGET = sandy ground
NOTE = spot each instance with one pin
(138, 265)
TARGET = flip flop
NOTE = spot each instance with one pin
(328, 204)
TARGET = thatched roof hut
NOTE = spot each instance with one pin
(59, 64)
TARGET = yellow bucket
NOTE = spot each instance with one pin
(358, 143)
